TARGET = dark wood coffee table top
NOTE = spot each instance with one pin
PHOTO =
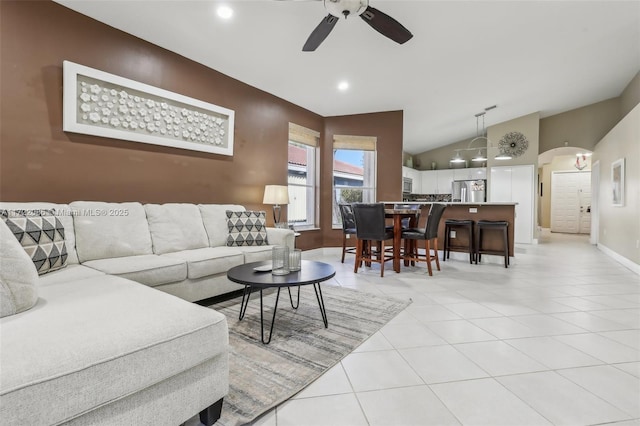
(311, 272)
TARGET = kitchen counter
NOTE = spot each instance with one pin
(474, 211)
(453, 203)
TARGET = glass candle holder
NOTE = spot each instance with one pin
(280, 260)
(295, 260)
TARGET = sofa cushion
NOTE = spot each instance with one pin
(209, 261)
(70, 273)
(104, 338)
(214, 217)
(41, 235)
(18, 276)
(148, 269)
(256, 253)
(247, 228)
(107, 230)
(175, 227)
(62, 213)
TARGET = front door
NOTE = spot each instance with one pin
(571, 202)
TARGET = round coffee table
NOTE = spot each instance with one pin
(311, 272)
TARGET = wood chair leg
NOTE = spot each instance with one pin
(358, 256)
(344, 246)
(381, 257)
(435, 252)
(428, 257)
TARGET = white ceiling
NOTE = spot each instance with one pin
(523, 56)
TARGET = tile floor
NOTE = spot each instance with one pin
(554, 339)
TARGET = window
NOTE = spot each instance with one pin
(302, 176)
(354, 172)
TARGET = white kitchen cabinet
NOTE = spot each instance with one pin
(470, 173)
(444, 179)
(516, 184)
(414, 175)
(429, 182)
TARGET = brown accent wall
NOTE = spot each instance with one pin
(387, 127)
(40, 162)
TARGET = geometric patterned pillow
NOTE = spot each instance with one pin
(247, 228)
(41, 235)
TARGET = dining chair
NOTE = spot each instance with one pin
(371, 228)
(348, 228)
(429, 234)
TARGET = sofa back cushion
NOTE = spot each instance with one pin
(214, 217)
(175, 227)
(18, 276)
(107, 230)
(62, 213)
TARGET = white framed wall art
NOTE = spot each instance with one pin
(102, 104)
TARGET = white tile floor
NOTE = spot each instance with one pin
(554, 339)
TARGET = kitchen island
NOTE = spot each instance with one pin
(473, 211)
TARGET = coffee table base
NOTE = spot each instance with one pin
(246, 294)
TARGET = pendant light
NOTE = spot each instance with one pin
(457, 158)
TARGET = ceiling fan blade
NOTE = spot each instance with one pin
(320, 33)
(386, 25)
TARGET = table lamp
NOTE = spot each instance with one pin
(276, 195)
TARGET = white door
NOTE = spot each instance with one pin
(584, 199)
(571, 202)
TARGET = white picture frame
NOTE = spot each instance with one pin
(102, 104)
(617, 183)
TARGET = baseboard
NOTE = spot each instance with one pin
(633, 267)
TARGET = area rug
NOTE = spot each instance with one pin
(301, 349)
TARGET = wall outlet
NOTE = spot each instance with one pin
(452, 234)
(348, 236)
(637, 243)
(473, 210)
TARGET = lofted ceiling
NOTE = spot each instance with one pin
(523, 56)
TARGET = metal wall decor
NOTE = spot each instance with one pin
(513, 143)
(102, 104)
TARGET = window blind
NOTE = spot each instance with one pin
(362, 143)
(303, 135)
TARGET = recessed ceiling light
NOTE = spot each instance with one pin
(343, 85)
(225, 12)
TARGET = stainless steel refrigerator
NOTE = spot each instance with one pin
(469, 191)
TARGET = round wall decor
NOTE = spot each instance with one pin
(514, 143)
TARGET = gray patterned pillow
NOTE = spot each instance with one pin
(41, 235)
(247, 228)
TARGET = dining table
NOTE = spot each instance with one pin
(397, 215)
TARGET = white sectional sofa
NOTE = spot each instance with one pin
(101, 345)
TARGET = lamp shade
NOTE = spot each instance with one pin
(276, 194)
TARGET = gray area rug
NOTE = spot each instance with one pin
(262, 376)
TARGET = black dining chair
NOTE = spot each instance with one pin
(348, 228)
(371, 228)
(429, 234)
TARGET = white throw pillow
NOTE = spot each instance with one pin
(18, 275)
(175, 227)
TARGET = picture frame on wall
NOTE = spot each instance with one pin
(617, 182)
(101, 104)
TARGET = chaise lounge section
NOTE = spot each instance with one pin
(101, 345)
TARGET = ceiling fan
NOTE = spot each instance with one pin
(384, 24)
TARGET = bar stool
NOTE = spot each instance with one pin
(451, 224)
(498, 225)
